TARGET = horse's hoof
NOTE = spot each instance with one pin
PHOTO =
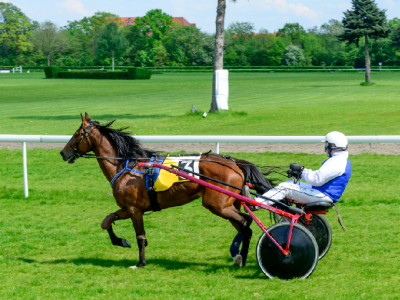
(238, 261)
(126, 244)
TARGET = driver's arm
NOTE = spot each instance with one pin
(330, 170)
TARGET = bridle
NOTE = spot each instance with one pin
(85, 134)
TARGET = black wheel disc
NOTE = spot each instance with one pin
(321, 230)
(303, 257)
(318, 226)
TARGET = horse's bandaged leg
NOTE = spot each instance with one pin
(236, 244)
(244, 253)
(141, 241)
(245, 246)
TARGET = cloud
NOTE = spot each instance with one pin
(5, 1)
(76, 6)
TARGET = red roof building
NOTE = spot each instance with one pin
(179, 20)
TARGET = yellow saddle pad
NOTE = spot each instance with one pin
(166, 179)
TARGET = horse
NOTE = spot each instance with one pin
(114, 146)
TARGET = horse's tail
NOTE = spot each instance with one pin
(253, 175)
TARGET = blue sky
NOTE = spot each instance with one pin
(268, 14)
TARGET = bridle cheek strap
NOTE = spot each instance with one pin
(76, 153)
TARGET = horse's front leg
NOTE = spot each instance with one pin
(106, 224)
(137, 220)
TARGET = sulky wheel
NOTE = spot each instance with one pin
(303, 256)
(321, 230)
(318, 226)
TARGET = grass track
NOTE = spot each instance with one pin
(274, 104)
(51, 243)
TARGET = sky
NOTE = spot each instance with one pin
(265, 14)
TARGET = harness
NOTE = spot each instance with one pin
(151, 176)
(76, 153)
(123, 170)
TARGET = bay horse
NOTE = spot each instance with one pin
(113, 147)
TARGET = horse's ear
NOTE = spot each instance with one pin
(84, 123)
(87, 117)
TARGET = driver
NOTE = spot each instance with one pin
(326, 184)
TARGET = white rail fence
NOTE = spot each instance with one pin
(190, 139)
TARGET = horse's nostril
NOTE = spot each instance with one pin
(61, 153)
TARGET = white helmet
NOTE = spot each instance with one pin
(337, 138)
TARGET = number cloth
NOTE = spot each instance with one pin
(166, 179)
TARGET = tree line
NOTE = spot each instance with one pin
(154, 40)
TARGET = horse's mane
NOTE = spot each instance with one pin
(126, 146)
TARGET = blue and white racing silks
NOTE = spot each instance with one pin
(331, 179)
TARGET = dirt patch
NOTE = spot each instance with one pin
(383, 148)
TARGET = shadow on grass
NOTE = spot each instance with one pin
(77, 117)
(167, 264)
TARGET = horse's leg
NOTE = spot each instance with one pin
(227, 208)
(243, 237)
(246, 243)
(118, 215)
(137, 219)
(106, 224)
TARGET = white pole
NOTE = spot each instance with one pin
(20, 69)
(25, 169)
(217, 148)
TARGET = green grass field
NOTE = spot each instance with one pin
(51, 244)
(271, 104)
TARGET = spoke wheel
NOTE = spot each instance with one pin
(303, 257)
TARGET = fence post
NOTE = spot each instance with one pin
(217, 148)
(25, 169)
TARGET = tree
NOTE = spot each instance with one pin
(241, 27)
(111, 42)
(15, 28)
(88, 29)
(276, 53)
(364, 20)
(219, 49)
(49, 38)
(294, 56)
(395, 37)
(187, 45)
(332, 28)
(154, 28)
(294, 30)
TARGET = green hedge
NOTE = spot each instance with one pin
(93, 75)
(138, 73)
(51, 72)
(132, 73)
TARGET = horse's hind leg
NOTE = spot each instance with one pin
(106, 224)
(243, 237)
(227, 208)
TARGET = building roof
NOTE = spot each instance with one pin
(178, 20)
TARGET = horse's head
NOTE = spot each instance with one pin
(79, 144)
